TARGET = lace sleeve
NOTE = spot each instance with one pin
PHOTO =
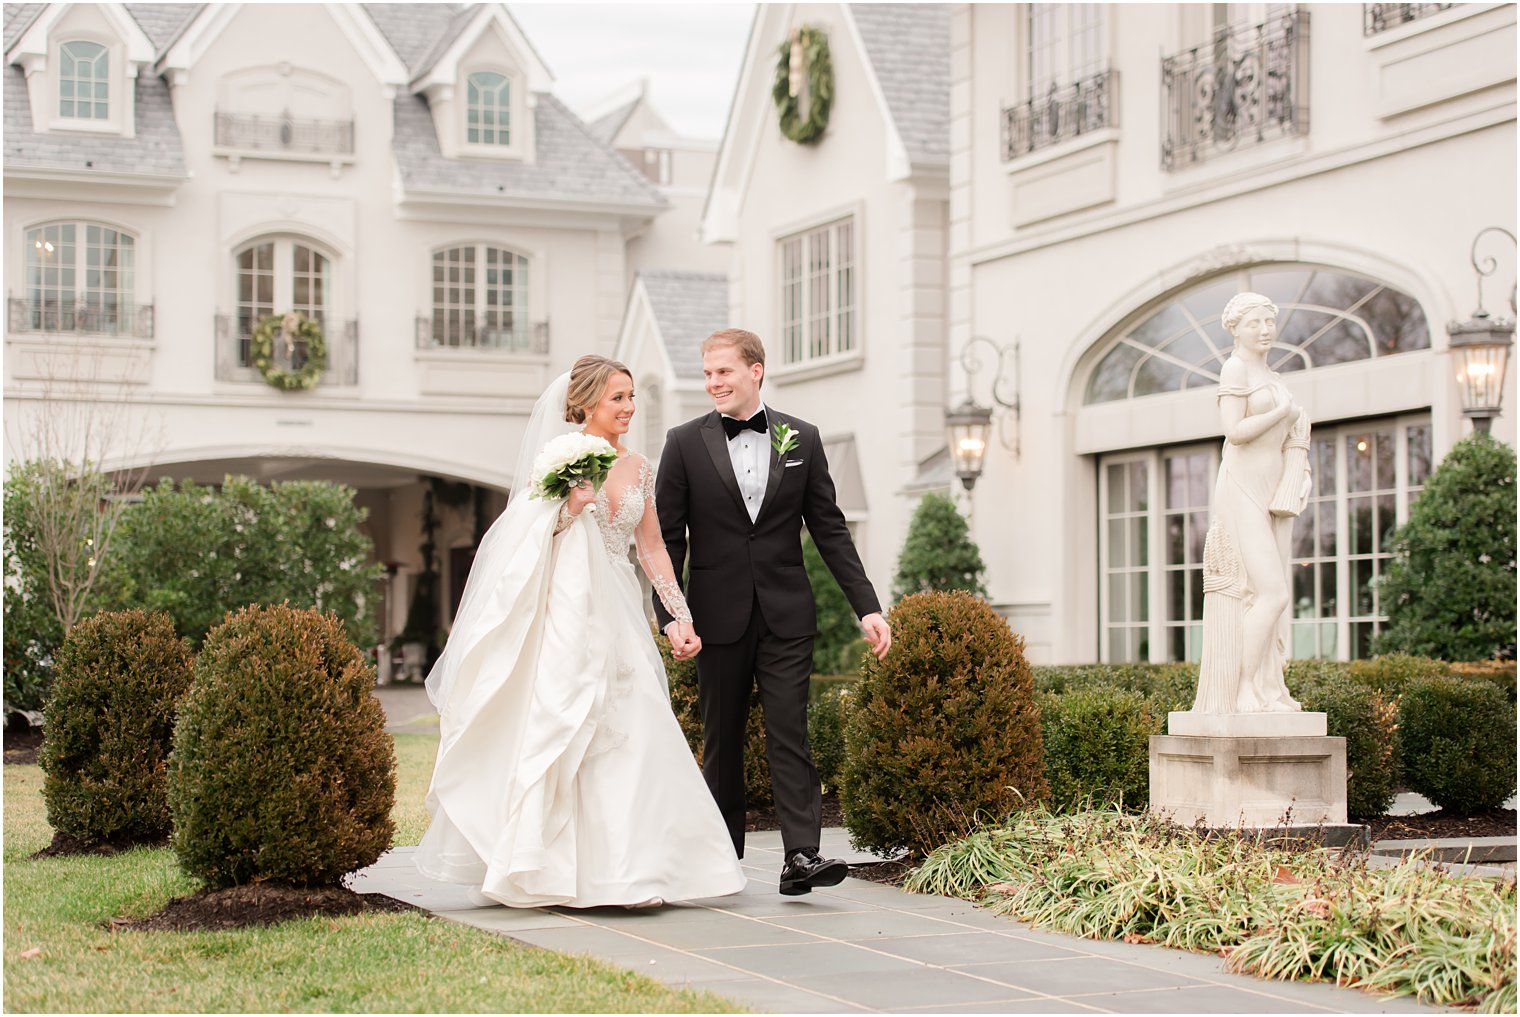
(653, 558)
(563, 520)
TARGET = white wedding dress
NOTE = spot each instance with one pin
(562, 775)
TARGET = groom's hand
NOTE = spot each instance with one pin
(684, 643)
(877, 633)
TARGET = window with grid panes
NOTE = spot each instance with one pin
(1125, 557)
(817, 273)
(83, 81)
(480, 298)
(277, 275)
(488, 109)
(80, 276)
(1063, 44)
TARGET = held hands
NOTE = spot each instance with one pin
(877, 633)
(684, 643)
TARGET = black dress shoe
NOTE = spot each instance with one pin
(805, 871)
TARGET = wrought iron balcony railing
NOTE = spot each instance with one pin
(1381, 17)
(68, 317)
(440, 331)
(285, 134)
(1249, 85)
(234, 344)
(1089, 105)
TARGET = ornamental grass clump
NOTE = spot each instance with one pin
(943, 734)
(1274, 912)
(108, 726)
(282, 770)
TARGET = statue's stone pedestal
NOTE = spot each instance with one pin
(1248, 769)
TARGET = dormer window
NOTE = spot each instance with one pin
(488, 109)
(83, 81)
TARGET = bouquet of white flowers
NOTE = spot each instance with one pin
(568, 459)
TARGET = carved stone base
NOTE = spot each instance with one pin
(1226, 781)
(1246, 725)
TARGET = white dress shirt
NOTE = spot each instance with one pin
(749, 452)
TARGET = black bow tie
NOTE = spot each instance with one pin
(732, 427)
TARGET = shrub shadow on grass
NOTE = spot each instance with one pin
(255, 904)
(63, 846)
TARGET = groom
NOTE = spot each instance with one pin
(736, 486)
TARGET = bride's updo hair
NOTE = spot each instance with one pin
(588, 380)
(1240, 305)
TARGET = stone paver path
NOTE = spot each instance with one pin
(866, 947)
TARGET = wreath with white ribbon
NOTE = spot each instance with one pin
(804, 56)
(289, 329)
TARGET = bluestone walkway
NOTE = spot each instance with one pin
(867, 947)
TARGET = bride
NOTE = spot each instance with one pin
(562, 775)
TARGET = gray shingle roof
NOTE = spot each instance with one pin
(605, 128)
(155, 151)
(413, 30)
(909, 48)
(18, 18)
(162, 22)
(688, 307)
(569, 164)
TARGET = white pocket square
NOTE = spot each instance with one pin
(794, 462)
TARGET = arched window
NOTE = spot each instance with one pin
(488, 109)
(83, 81)
(1325, 317)
(80, 277)
(480, 298)
(276, 275)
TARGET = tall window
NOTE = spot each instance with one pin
(1155, 507)
(480, 298)
(80, 276)
(83, 81)
(275, 276)
(817, 274)
(1063, 44)
(488, 109)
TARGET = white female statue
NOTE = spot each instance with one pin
(1263, 484)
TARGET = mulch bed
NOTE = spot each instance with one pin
(22, 743)
(765, 819)
(1437, 825)
(239, 907)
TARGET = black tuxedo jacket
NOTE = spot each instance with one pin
(735, 562)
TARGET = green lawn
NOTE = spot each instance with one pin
(392, 962)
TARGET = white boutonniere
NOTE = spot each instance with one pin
(783, 439)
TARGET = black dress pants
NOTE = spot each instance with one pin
(725, 675)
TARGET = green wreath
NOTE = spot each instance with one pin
(820, 79)
(307, 331)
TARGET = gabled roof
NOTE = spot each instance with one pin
(162, 22)
(569, 164)
(605, 128)
(414, 29)
(18, 18)
(687, 308)
(440, 63)
(156, 151)
(908, 46)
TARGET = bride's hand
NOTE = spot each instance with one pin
(684, 643)
(581, 495)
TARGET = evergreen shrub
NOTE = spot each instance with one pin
(826, 716)
(201, 552)
(938, 553)
(681, 675)
(945, 732)
(1097, 747)
(281, 769)
(108, 728)
(1449, 588)
(1457, 741)
(838, 628)
(32, 630)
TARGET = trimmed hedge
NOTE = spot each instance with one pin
(1097, 747)
(1457, 738)
(827, 709)
(108, 728)
(944, 734)
(1363, 714)
(281, 769)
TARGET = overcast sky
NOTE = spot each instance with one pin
(689, 52)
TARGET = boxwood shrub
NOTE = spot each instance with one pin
(281, 768)
(108, 728)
